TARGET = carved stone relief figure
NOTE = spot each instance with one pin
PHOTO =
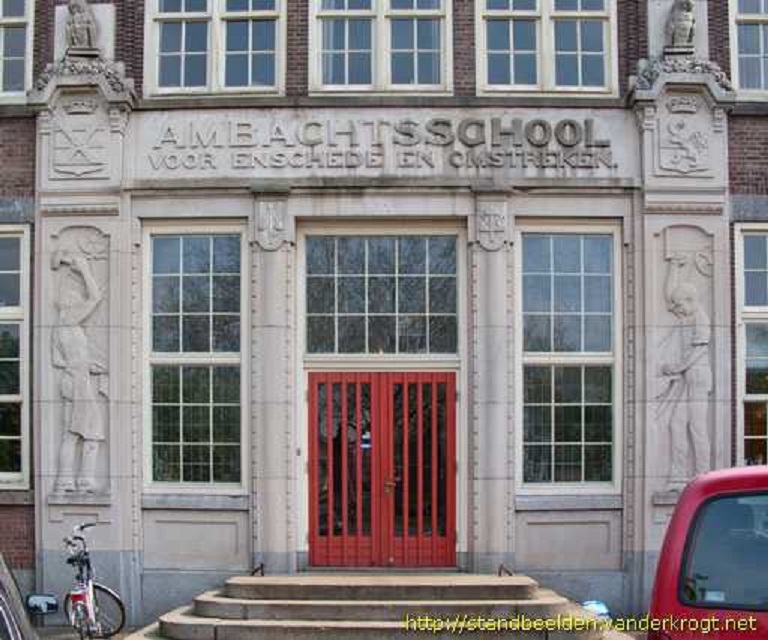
(81, 25)
(686, 374)
(681, 25)
(82, 369)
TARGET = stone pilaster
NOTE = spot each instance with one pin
(491, 479)
(272, 361)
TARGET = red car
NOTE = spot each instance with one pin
(712, 577)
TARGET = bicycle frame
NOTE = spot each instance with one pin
(81, 594)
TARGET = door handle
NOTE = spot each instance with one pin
(390, 484)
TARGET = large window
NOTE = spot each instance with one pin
(195, 386)
(754, 376)
(569, 407)
(381, 294)
(15, 46)
(13, 360)
(216, 45)
(381, 45)
(546, 45)
(751, 31)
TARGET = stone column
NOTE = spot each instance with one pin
(273, 429)
(490, 401)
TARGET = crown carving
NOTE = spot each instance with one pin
(683, 104)
(84, 106)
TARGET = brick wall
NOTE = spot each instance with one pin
(297, 59)
(17, 149)
(17, 542)
(633, 38)
(747, 160)
(464, 47)
(719, 34)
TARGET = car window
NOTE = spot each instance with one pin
(726, 560)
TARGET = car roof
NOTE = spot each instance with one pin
(730, 480)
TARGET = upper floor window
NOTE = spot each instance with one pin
(751, 68)
(546, 45)
(381, 45)
(15, 46)
(216, 45)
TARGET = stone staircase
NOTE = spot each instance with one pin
(355, 607)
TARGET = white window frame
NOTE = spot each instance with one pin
(744, 316)
(545, 49)
(20, 315)
(18, 97)
(381, 49)
(196, 227)
(734, 20)
(613, 359)
(216, 18)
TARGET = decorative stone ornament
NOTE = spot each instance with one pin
(83, 103)
(491, 224)
(273, 227)
(681, 26)
(81, 29)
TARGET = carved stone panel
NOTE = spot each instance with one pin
(79, 139)
(684, 373)
(273, 225)
(79, 276)
(684, 137)
(491, 224)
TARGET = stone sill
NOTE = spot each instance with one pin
(195, 502)
(569, 503)
(16, 498)
(366, 101)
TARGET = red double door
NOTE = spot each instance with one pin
(382, 469)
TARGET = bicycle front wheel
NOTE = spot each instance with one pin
(109, 612)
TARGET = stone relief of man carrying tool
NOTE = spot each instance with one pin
(82, 374)
(687, 374)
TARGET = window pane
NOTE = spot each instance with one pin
(537, 333)
(321, 295)
(428, 34)
(499, 71)
(166, 387)
(755, 288)
(165, 334)
(381, 334)
(14, 42)
(196, 333)
(165, 294)
(592, 71)
(428, 68)
(537, 463)
(497, 35)
(536, 253)
(591, 35)
(196, 293)
(524, 35)
(749, 6)
(170, 6)
(351, 255)
(566, 71)
(592, 5)
(320, 334)
(10, 420)
(197, 254)
(170, 71)
(402, 34)
(412, 255)
(226, 333)
(166, 255)
(360, 34)
(597, 254)
(566, 5)
(496, 5)
(13, 75)
(442, 295)
(359, 68)
(195, 71)
(351, 334)
(226, 384)
(413, 334)
(402, 68)
(524, 5)
(381, 257)
(10, 346)
(236, 71)
(237, 5)
(722, 567)
(381, 295)
(170, 37)
(334, 34)
(263, 70)
(351, 295)
(443, 334)
(566, 331)
(749, 73)
(263, 33)
(9, 378)
(565, 35)
(537, 385)
(755, 419)
(10, 293)
(321, 255)
(10, 456)
(10, 254)
(237, 36)
(13, 8)
(755, 256)
(597, 333)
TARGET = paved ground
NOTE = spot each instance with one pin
(62, 633)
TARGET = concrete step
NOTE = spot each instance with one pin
(456, 586)
(214, 604)
(182, 624)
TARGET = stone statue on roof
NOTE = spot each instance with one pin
(81, 26)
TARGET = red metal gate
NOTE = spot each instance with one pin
(382, 469)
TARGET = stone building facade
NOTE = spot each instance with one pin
(452, 284)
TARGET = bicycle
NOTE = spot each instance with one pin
(93, 610)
